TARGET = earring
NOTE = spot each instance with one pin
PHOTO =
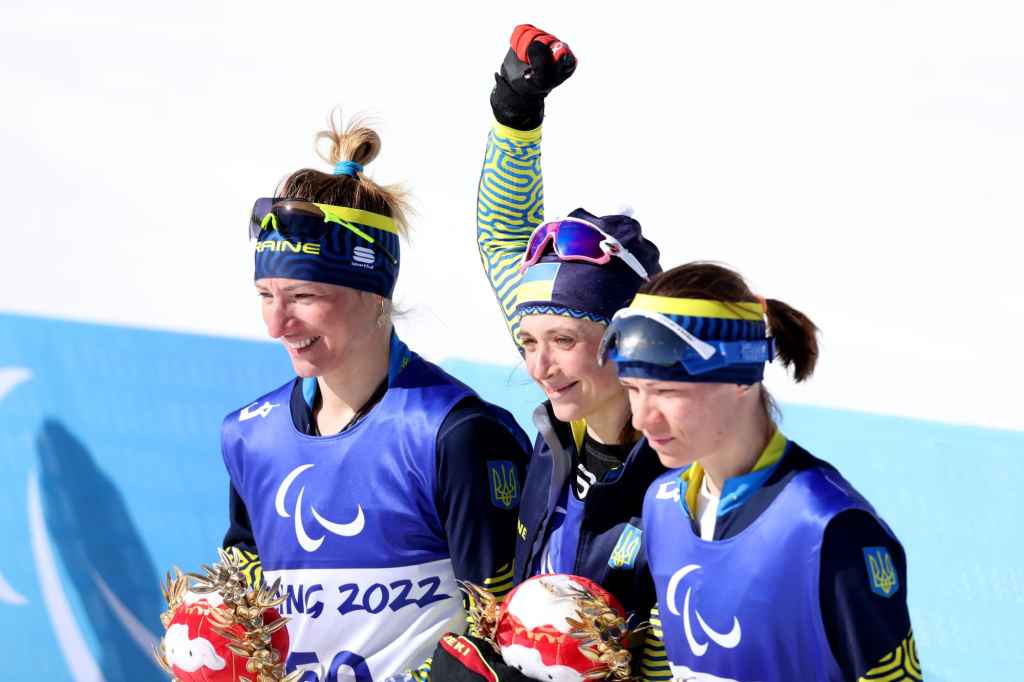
(382, 316)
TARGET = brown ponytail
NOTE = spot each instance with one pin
(356, 142)
(796, 337)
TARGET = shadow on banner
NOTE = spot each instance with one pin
(103, 554)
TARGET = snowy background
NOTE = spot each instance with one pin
(863, 162)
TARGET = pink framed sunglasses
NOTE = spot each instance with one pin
(575, 239)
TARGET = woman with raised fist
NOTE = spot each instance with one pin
(558, 282)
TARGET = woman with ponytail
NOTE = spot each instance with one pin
(372, 481)
(768, 564)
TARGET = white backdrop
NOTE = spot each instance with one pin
(862, 161)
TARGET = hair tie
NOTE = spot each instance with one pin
(349, 168)
(764, 311)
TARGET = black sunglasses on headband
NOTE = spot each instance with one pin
(295, 218)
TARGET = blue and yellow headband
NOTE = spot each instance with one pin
(324, 243)
(687, 339)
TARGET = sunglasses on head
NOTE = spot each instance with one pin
(579, 240)
(302, 219)
(655, 339)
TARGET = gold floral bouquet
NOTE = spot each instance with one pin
(557, 626)
(217, 629)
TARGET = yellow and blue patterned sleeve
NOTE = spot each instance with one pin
(653, 661)
(501, 583)
(422, 673)
(499, 586)
(899, 665)
(250, 564)
(510, 204)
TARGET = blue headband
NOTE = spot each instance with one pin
(727, 342)
(348, 168)
(323, 243)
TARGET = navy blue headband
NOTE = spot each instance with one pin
(734, 337)
(323, 243)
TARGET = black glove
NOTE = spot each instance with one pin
(470, 659)
(536, 63)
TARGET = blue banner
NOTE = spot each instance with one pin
(111, 474)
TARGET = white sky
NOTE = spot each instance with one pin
(861, 161)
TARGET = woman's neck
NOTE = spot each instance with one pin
(742, 451)
(345, 390)
(605, 424)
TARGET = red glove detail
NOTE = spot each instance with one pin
(524, 34)
(465, 651)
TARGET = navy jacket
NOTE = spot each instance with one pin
(611, 505)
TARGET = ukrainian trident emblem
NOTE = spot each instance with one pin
(504, 484)
(882, 573)
(626, 549)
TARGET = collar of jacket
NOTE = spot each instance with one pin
(557, 436)
(561, 442)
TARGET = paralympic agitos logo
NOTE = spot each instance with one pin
(308, 543)
(726, 640)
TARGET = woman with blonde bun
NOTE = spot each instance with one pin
(372, 481)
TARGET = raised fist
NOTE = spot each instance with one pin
(535, 64)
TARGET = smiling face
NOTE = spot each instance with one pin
(320, 325)
(561, 356)
(685, 421)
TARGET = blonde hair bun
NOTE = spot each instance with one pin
(356, 142)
